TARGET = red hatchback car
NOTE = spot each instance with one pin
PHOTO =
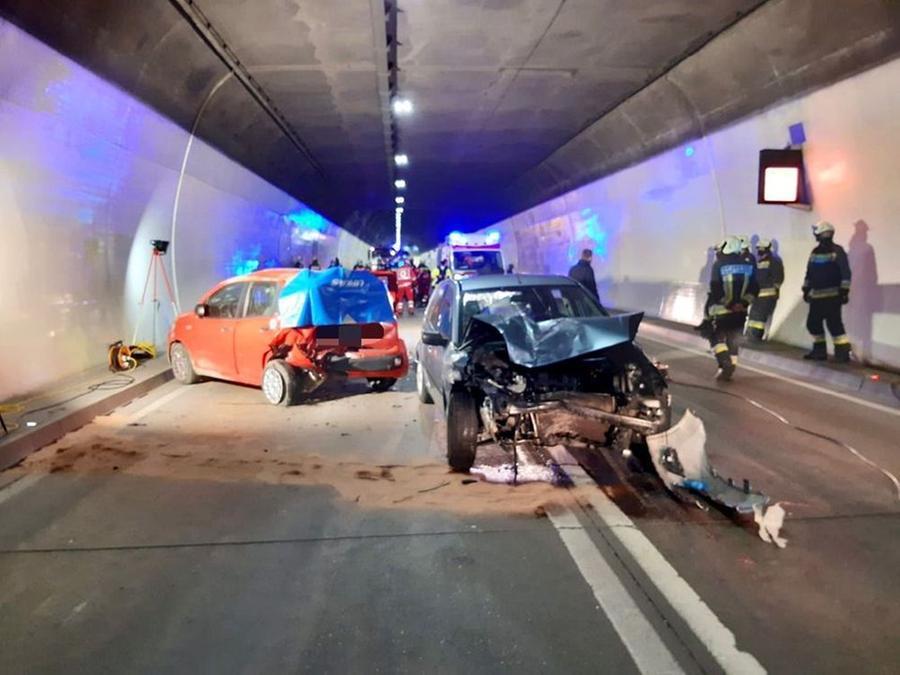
(234, 334)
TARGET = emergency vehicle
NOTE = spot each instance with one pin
(472, 254)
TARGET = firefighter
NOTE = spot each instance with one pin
(827, 287)
(406, 280)
(769, 276)
(732, 287)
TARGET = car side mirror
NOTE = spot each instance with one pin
(434, 339)
(201, 310)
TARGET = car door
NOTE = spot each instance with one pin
(438, 319)
(255, 330)
(212, 347)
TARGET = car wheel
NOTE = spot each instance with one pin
(280, 383)
(421, 387)
(182, 367)
(462, 431)
(381, 384)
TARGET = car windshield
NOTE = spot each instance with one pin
(485, 262)
(537, 302)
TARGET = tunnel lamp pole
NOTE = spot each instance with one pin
(398, 226)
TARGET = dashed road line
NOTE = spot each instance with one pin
(784, 378)
(19, 486)
(158, 403)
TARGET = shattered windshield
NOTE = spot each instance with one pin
(538, 303)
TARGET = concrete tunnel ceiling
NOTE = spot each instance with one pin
(517, 101)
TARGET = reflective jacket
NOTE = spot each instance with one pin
(827, 272)
(769, 276)
(732, 285)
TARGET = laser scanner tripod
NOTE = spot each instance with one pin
(156, 269)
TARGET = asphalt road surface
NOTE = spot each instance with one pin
(199, 529)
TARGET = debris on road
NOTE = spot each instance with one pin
(770, 522)
(680, 459)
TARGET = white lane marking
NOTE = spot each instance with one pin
(19, 486)
(784, 378)
(158, 403)
(711, 632)
(643, 643)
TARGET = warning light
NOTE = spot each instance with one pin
(781, 177)
(875, 377)
(781, 184)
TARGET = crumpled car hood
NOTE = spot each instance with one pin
(535, 344)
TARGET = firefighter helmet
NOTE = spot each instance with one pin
(823, 229)
(731, 245)
(764, 245)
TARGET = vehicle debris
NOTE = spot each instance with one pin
(679, 457)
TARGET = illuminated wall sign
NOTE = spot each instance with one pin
(781, 177)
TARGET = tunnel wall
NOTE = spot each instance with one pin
(88, 176)
(650, 225)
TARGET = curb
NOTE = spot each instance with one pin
(18, 445)
(848, 381)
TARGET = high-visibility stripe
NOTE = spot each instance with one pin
(841, 340)
(719, 348)
(845, 283)
(768, 293)
(734, 360)
(819, 339)
(718, 310)
(823, 293)
(759, 325)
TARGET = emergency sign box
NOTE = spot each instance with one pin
(782, 177)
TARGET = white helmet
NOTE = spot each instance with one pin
(823, 229)
(731, 245)
(745, 242)
(763, 244)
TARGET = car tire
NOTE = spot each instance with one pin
(462, 431)
(280, 383)
(382, 384)
(182, 366)
(421, 387)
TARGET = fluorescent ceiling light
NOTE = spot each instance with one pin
(402, 106)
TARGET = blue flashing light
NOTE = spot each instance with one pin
(456, 238)
(590, 227)
(689, 151)
(307, 219)
(492, 237)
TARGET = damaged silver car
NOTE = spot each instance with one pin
(535, 358)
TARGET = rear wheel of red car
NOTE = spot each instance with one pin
(182, 367)
(381, 384)
(462, 431)
(280, 383)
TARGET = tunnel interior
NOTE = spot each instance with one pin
(262, 133)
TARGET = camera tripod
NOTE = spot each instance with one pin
(155, 270)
